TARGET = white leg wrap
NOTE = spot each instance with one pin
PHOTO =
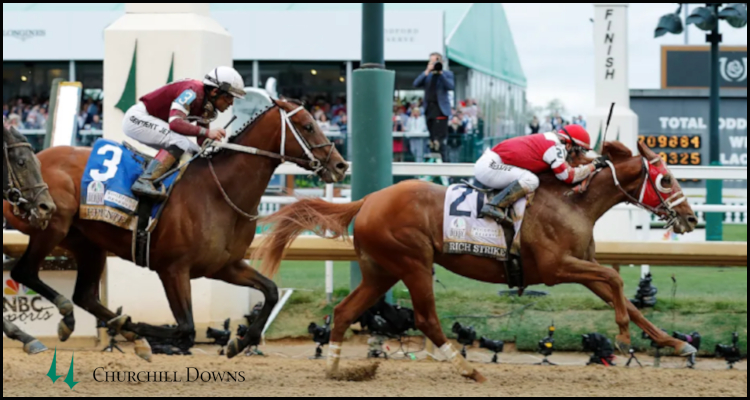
(456, 359)
(334, 356)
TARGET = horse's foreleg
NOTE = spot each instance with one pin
(375, 284)
(574, 270)
(26, 272)
(420, 286)
(30, 345)
(176, 281)
(241, 274)
(662, 339)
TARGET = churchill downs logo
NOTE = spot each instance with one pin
(733, 71)
(24, 34)
(21, 304)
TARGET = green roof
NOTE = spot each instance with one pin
(477, 34)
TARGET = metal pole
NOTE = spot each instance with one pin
(371, 116)
(714, 188)
(256, 74)
(329, 264)
(372, 35)
(687, 27)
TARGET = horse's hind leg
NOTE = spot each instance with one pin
(30, 345)
(375, 283)
(662, 339)
(26, 272)
(241, 274)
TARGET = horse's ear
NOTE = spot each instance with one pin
(647, 152)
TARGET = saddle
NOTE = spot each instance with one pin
(106, 196)
(464, 233)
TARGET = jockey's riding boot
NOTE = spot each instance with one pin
(497, 208)
(144, 187)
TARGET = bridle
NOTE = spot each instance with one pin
(312, 163)
(16, 195)
(666, 209)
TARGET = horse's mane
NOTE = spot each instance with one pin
(616, 151)
(250, 124)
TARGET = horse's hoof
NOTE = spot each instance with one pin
(477, 377)
(624, 348)
(233, 349)
(34, 347)
(64, 331)
(688, 351)
(143, 349)
(118, 322)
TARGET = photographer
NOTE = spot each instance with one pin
(436, 83)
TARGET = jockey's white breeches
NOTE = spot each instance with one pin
(491, 172)
(153, 132)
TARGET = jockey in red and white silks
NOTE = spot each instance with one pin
(513, 165)
(166, 117)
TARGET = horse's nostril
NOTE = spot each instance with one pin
(342, 166)
(45, 207)
(693, 221)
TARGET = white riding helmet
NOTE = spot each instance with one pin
(226, 79)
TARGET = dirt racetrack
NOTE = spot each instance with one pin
(287, 372)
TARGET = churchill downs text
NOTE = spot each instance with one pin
(191, 375)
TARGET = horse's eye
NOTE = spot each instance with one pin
(667, 182)
(310, 128)
(21, 163)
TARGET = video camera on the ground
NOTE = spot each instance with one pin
(388, 320)
(321, 334)
(604, 351)
(646, 295)
(220, 337)
(730, 353)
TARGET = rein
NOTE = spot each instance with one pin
(312, 163)
(15, 195)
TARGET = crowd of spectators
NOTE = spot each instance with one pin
(553, 123)
(25, 114)
(32, 114)
(408, 118)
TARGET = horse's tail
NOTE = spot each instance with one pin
(316, 215)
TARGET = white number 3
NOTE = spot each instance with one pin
(111, 163)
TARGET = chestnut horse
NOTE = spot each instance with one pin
(398, 236)
(24, 188)
(204, 231)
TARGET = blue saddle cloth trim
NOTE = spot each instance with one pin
(110, 173)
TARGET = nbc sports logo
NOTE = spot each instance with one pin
(13, 288)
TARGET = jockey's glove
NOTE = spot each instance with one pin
(601, 162)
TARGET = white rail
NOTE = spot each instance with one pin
(467, 170)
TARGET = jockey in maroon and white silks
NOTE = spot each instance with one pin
(513, 166)
(166, 117)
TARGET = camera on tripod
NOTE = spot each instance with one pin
(547, 346)
(646, 295)
(220, 337)
(730, 353)
(321, 335)
(604, 351)
(495, 346)
(388, 320)
(466, 336)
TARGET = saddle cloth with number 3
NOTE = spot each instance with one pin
(464, 233)
(105, 188)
